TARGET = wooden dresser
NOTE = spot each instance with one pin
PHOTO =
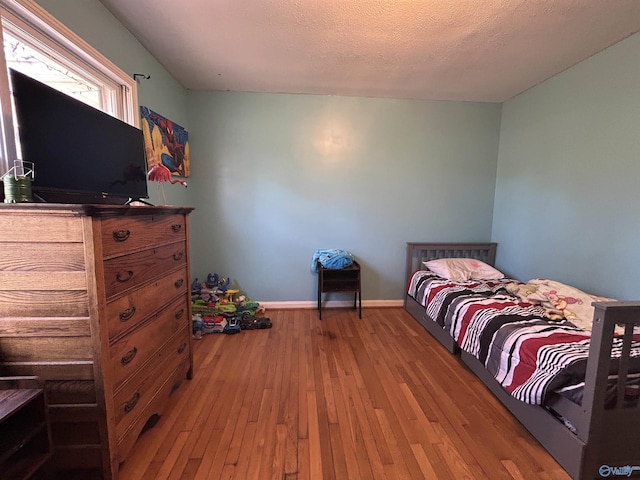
(95, 300)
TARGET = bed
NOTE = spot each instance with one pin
(422, 252)
(593, 434)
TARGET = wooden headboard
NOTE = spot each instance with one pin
(423, 252)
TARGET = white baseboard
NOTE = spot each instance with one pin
(303, 305)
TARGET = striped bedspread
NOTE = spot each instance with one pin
(529, 355)
(437, 293)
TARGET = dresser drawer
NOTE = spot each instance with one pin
(136, 394)
(157, 406)
(133, 350)
(126, 312)
(126, 234)
(129, 271)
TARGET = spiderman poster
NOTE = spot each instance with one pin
(166, 144)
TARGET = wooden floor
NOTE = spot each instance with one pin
(340, 398)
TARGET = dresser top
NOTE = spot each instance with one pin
(92, 210)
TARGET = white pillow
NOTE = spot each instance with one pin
(463, 269)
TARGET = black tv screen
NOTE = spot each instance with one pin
(79, 153)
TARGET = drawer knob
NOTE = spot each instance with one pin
(176, 227)
(122, 278)
(130, 355)
(178, 256)
(127, 314)
(178, 283)
(179, 313)
(181, 348)
(131, 403)
(121, 235)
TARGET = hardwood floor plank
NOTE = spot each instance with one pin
(288, 411)
(371, 435)
(268, 433)
(171, 468)
(228, 472)
(513, 470)
(249, 435)
(151, 473)
(277, 471)
(339, 453)
(337, 398)
(425, 465)
(399, 467)
(455, 462)
(350, 437)
(190, 469)
(315, 450)
(319, 437)
(357, 438)
(304, 460)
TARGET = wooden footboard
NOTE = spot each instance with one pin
(605, 437)
(417, 253)
(613, 433)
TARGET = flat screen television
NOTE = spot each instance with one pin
(80, 154)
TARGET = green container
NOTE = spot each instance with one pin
(17, 190)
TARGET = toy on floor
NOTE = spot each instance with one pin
(213, 299)
(228, 296)
(223, 285)
(213, 323)
(250, 322)
(214, 282)
(219, 322)
(243, 304)
(233, 326)
(196, 326)
(208, 295)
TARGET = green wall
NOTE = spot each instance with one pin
(567, 194)
(277, 177)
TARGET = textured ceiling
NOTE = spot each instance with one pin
(476, 50)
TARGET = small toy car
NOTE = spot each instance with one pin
(233, 325)
(249, 322)
(263, 322)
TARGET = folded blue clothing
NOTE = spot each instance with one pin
(331, 258)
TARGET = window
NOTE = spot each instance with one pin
(30, 57)
(39, 46)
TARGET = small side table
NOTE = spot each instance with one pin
(25, 434)
(340, 280)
